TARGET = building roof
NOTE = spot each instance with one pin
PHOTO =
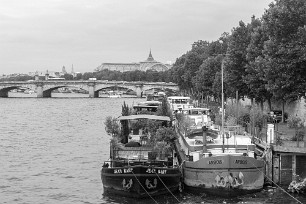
(150, 58)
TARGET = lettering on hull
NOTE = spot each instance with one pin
(214, 162)
(240, 161)
(123, 171)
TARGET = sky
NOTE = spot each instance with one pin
(40, 35)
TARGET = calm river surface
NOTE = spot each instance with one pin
(52, 150)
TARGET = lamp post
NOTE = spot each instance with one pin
(222, 98)
(222, 101)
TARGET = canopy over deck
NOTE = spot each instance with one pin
(143, 116)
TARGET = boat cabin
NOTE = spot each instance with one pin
(197, 118)
(156, 96)
(179, 102)
(235, 143)
(150, 106)
(138, 147)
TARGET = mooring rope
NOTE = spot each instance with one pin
(277, 185)
(167, 188)
(144, 188)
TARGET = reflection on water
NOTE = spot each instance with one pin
(52, 149)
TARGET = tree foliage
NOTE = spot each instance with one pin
(265, 59)
(124, 123)
(112, 127)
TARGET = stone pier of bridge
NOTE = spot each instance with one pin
(92, 92)
(3, 93)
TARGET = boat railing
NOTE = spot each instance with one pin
(122, 162)
(143, 139)
(139, 153)
(194, 145)
(236, 129)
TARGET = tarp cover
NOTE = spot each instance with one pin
(143, 116)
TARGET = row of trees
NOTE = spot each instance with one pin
(263, 60)
(149, 75)
(137, 75)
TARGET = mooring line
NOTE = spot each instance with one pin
(168, 188)
(144, 188)
(278, 185)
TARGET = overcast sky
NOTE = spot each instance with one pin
(49, 34)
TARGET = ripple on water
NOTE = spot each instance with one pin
(14, 179)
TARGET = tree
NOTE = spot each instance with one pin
(68, 76)
(255, 75)
(284, 52)
(235, 63)
(204, 79)
(78, 76)
(191, 66)
(112, 127)
(178, 71)
(87, 75)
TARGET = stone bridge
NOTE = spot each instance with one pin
(44, 88)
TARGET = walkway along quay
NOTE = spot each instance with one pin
(45, 87)
(285, 160)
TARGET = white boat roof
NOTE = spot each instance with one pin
(150, 102)
(193, 108)
(178, 97)
(144, 116)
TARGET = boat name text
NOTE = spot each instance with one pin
(159, 171)
(239, 161)
(212, 162)
(123, 171)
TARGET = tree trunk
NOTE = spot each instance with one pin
(261, 106)
(269, 104)
(283, 111)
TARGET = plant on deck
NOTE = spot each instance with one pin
(113, 129)
(298, 124)
(164, 140)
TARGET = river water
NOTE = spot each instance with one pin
(52, 150)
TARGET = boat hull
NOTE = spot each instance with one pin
(140, 181)
(224, 175)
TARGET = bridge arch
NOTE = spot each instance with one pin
(5, 89)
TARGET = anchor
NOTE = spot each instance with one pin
(149, 185)
(128, 185)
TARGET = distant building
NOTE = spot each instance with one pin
(64, 70)
(54, 74)
(43, 73)
(149, 64)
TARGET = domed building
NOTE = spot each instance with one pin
(149, 64)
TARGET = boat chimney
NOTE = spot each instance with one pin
(204, 129)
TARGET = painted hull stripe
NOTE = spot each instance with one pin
(141, 175)
(238, 169)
